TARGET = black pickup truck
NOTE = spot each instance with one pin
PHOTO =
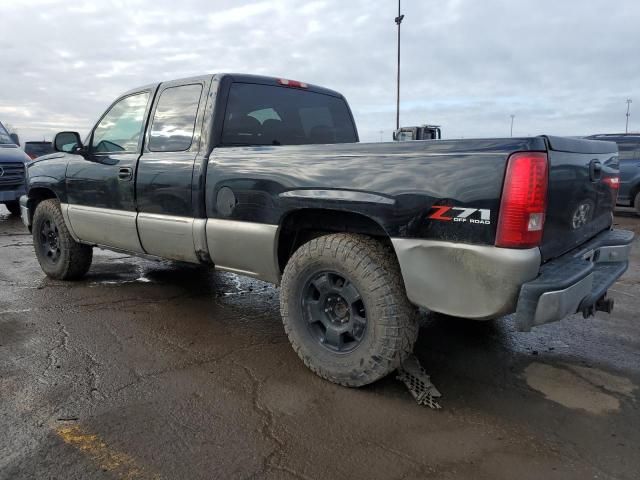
(265, 177)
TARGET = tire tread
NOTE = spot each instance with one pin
(381, 270)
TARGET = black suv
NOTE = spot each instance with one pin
(12, 171)
(629, 157)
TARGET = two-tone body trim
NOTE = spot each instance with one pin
(245, 248)
(242, 247)
(458, 279)
(104, 226)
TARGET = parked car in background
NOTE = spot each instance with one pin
(12, 170)
(423, 132)
(629, 158)
(38, 149)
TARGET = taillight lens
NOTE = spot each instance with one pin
(613, 182)
(524, 201)
(614, 185)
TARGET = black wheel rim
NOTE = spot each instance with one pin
(49, 241)
(334, 311)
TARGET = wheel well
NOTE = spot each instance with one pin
(37, 195)
(303, 225)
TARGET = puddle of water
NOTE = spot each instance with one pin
(580, 388)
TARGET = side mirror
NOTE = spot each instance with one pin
(68, 142)
(14, 138)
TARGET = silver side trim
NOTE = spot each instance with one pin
(244, 247)
(471, 281)
(168, 236)
(556, 305)
(103, 226)
(348, 195)
(64, 207)
(200, 240)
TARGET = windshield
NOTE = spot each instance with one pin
(4, 136)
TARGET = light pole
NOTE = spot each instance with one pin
(512, 117)
(399, 19)
(626, 128)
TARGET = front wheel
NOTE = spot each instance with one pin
(13, 207)
(636, 203)
(345, 310)
(59, 255)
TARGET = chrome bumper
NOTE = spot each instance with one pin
(574, 282)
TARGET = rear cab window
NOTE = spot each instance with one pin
(259, 114)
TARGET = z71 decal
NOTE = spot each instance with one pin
(459, 214)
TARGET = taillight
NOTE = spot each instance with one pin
(524, 201)
(613, 182)
(614, 185)
(292, 83)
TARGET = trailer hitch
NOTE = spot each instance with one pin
(603, 304)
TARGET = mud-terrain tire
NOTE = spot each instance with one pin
(59, 255)
(339, 273)
(636, 203)
(13, 207)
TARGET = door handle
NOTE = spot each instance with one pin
(125, 173)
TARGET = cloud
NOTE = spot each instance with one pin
(561, 67)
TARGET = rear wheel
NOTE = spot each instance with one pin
(59, 255)
(636, 203)
(345, 310)
(13, 207)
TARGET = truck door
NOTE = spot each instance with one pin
(166, 222)
(100, 189)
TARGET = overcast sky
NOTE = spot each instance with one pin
(562, 67)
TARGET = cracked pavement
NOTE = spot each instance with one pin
(153, 370)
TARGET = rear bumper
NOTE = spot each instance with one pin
(575, 281)
(482, 281)
(12, 195)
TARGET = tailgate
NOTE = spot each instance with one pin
(580, 201)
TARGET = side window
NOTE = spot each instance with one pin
(174, 119)
(120, 129)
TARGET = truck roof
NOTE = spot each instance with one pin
(245, 78)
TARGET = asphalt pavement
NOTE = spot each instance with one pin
(154, 370)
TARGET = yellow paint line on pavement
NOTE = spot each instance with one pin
(122, 465)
